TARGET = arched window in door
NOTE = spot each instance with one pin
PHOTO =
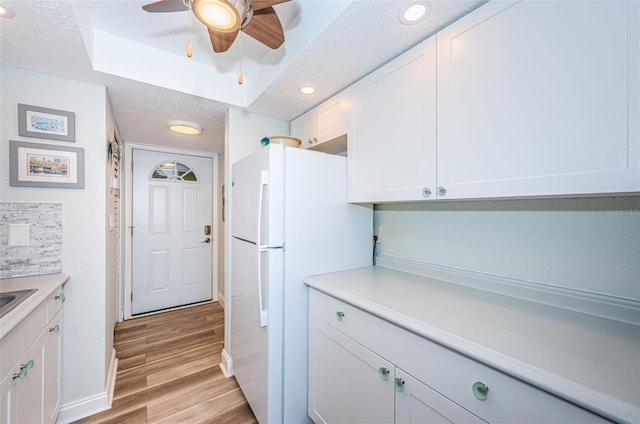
(173, 171)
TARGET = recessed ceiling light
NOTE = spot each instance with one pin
(414, 12)
(184, 127)
(5, 11)
(307, 89)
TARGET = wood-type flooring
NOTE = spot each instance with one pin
(168, 371)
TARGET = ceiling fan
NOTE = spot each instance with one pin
(225, 18)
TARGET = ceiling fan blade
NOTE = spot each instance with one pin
(163, 6)
(221, 41)
(263, 4)
(266, 28)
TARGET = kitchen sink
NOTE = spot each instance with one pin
(9, 300)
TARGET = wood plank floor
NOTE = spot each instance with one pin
(168, 371)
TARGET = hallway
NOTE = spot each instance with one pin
(168, 371)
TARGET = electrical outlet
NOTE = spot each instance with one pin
(377, 231)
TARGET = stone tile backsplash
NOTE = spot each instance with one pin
(43, 255)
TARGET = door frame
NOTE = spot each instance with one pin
(124, 290)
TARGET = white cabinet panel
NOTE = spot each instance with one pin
(392, 154)
(334, 117)
(31, 388)
(52, 381)
(306, 129)
(540, 98)
(326, 127)
(418, 403)
(345, 383)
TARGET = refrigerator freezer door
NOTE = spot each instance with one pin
(257, 197)
(257, 349)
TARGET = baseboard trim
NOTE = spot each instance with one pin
(612, 307)
(111, 377)
(83, 408)
(221, 299)
(225, 364)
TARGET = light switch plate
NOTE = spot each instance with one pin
(18, 234)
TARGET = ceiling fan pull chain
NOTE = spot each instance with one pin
(189, 46)
(240, 78)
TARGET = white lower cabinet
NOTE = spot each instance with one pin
(349, 383)
(418, 403)
(30, 389)
(363, 369)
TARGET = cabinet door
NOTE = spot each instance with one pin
(52, 369)
(29, 390)
(391, 154)
(540, 98)
(306, 129)
(418, 403)
(347, 382)
(8, 388)
(334, 117)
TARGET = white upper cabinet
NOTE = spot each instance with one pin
(391, 155)
(326, 127)
(538, 98)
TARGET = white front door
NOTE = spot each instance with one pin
(172, 230)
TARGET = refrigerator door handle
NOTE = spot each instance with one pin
(264, 181)
(262, 311)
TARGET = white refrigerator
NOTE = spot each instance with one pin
(289, 219)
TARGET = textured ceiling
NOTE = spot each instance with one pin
(140, 58)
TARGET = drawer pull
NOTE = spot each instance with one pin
(60, 297)
(24, 370)
(339, 315)
(399, 383)
(383, 372)
(55, 329)
(480, 391)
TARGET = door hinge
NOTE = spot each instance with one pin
(132, 296)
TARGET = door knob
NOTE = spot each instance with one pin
(207, 240)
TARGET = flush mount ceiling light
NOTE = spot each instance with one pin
(307, 89)
(414, 12)
(5, 11)
(184, 127)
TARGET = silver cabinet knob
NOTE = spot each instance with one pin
(480, 391)
(441, 191)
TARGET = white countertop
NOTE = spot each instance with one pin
(589, 360)
(45, 285)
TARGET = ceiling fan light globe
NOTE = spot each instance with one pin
(219, 15)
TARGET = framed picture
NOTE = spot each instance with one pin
(45, 165)
(42, 122)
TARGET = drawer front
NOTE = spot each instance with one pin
(447, 372)
(18, 341)
(55, 302)
(485, 391)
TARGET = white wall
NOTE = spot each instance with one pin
(590, 244)
(243, 132)
(112, 271)
(83, 219)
